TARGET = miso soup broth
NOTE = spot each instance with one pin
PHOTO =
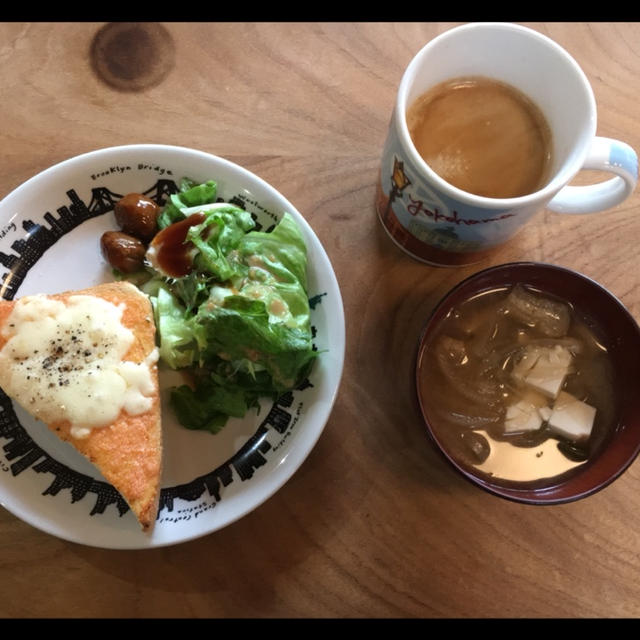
(517, 385)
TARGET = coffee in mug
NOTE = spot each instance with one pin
(482, 136)
(439, 223)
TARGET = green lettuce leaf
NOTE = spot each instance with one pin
(283, 250)
(189, 195)
(180, 337)
(241, 319)
(241, 332)
(208, 406)
(220, 233)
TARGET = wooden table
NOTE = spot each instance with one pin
(374, 523)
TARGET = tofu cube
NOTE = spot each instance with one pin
(521, 417)
(571, 418)
(544, 368)
(545, 413)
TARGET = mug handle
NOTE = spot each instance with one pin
(605, 154)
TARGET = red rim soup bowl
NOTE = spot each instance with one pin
(618, 332)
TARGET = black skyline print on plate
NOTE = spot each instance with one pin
(23, 453)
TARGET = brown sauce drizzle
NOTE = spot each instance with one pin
(173, 250)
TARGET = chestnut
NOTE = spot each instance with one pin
(137, 215)
(122, 251)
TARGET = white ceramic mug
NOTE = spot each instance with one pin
(442, 225)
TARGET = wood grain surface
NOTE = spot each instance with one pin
(374, 524)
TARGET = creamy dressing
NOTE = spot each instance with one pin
(64, 362)
(259, 285)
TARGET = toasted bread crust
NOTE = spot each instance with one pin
(128, 452)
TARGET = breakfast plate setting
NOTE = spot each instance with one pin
(50, 230)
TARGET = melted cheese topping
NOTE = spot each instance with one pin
(64, 362)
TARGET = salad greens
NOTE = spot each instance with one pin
(239, 321)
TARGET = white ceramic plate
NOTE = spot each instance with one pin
(50, 230)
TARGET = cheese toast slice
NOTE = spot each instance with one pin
(85, 363)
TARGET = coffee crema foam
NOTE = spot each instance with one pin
(482, 136)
